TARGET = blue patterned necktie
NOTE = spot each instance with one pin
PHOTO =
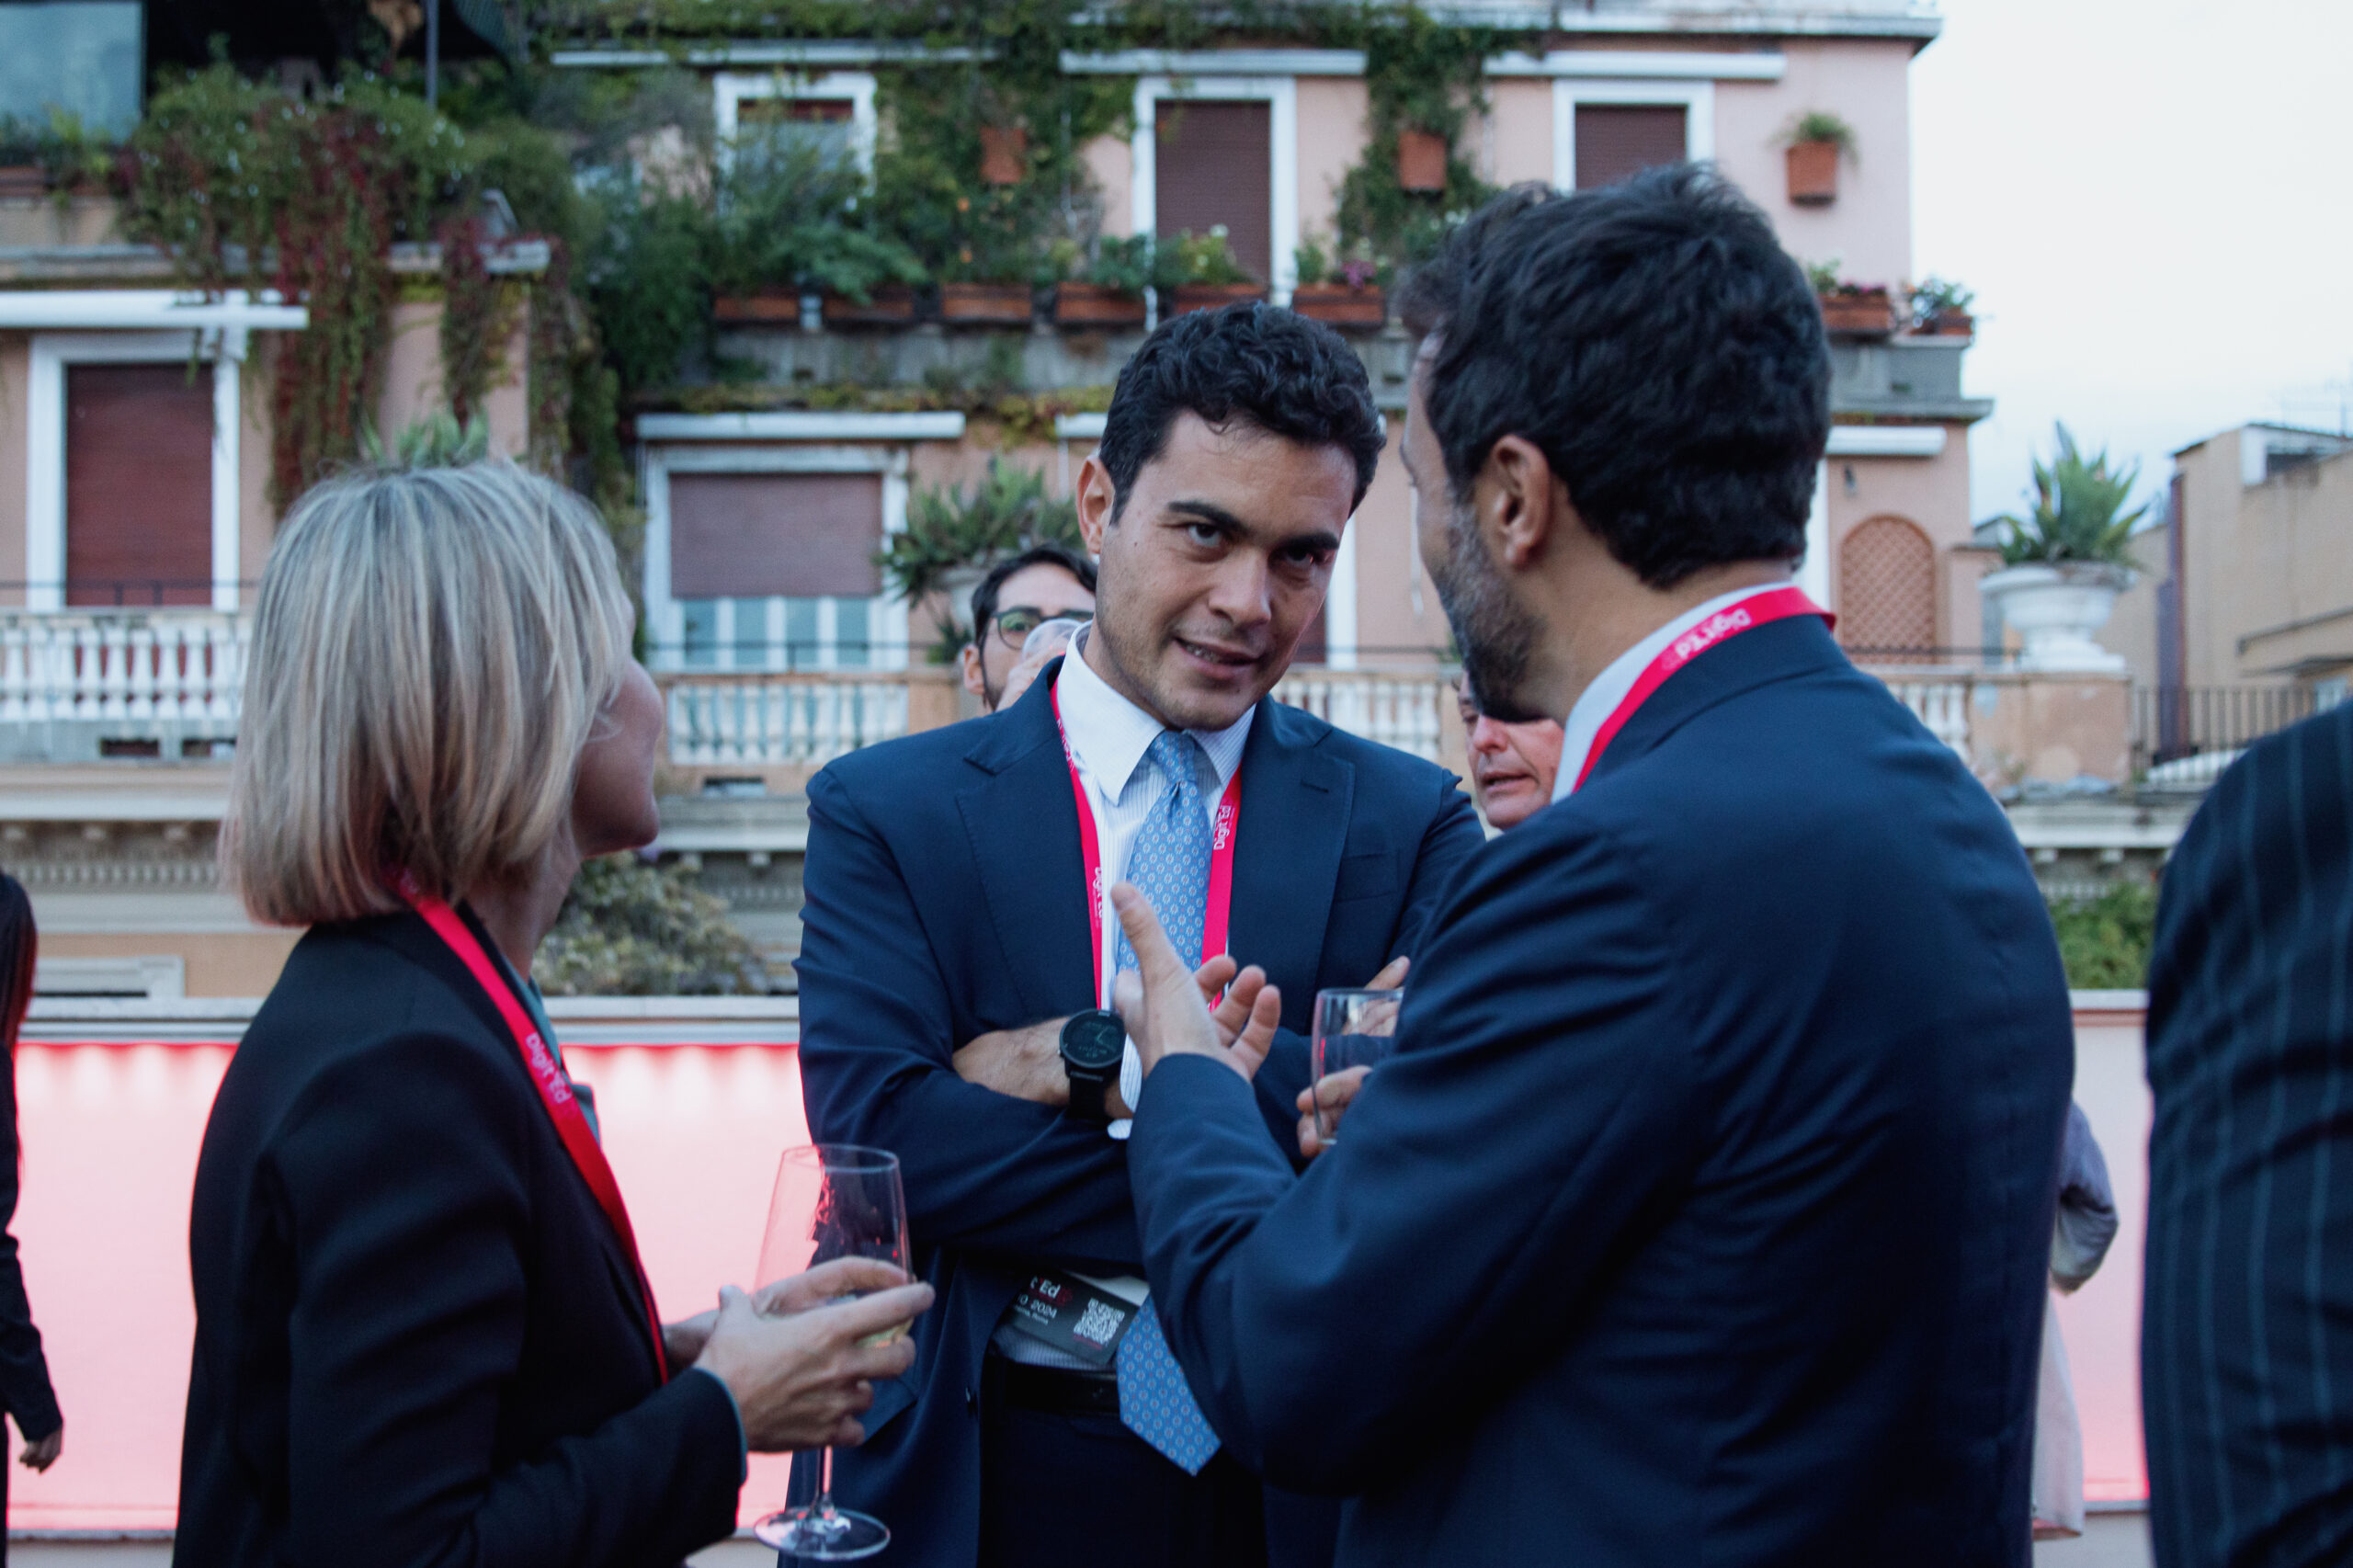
(1170, 866)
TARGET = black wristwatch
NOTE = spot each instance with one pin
(1093, 1043)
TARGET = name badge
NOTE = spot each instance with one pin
(1073, 1317)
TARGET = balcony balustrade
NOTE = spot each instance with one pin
(75, 684)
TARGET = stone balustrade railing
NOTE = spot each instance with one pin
(80, 684)
(1397, 708)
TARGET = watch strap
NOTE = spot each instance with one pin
(1088, 1091)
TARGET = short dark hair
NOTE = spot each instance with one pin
(1661, 347)
(1287, 375)
(985, 596)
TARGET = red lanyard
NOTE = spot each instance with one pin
(1215, 918)
(1777, 603)
(555, 1089)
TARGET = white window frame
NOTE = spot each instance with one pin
(52, 353)
(1696, 98)
(666, 616)
(1281, 94)
(731, 89)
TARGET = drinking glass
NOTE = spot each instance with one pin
(1353, 1028)
(832, 1201)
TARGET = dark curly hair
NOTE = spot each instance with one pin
(1287, 375)
(1657, 343)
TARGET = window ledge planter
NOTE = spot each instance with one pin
(1336, 304)
(987, 304)
(2059, 611)
(1187, 296)
(1096, 305)
(23, 182)
(893, 304)
(1813, 170)
(767, 305)
(1859, 310)
(1948, 323)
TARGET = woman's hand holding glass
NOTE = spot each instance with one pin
(795, 1357)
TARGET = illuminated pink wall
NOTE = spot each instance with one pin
(111, 1137)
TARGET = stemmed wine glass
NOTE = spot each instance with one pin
(832, 1201)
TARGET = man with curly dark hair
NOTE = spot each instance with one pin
(957, 960)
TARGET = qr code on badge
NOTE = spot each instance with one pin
(1099, 1325)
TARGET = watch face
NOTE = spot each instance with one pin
(1094, 1040)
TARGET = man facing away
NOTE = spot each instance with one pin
(1045, 583)
(2247, 1337)
(1701, 1212)
(954, 967)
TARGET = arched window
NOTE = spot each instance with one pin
(1887, 592)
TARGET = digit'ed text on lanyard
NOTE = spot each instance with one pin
(1224, 828)
(1779, 604)
(555, 1090)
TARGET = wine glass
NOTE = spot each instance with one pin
(1353, 1028)
(832, 1201)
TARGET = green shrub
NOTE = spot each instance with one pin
(2105, 941)
(631, 929)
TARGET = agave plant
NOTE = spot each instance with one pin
(2078, 515)
(437, 440)
(948, 528)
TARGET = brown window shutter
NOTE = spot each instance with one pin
(1211, 166)
(756, 535)
(1618, 140)
(138, 485)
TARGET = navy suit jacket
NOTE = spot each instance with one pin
(2247, 1335)
(1702, 1214)
(944, 898)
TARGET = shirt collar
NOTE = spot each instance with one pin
(1600, 699)
(1111, 735)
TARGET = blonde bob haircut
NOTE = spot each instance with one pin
(430, 654)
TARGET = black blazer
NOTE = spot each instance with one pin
(946, 898)
(2246, 1333)
(24, 1392)
(417, 1338)
(1701, 1215)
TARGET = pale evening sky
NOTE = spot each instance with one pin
(2148, 197)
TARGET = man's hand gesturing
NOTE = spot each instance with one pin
(1162, 1004)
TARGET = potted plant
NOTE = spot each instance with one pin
(2066, 561)
(1005, 154)
(1346, 293)
(1940, 308)
(983, 284)
(1815, 144)
(954, 536)
(1197, 272)
(1110, 292)
(786, 219)
(1421, 159)
(1848, 306)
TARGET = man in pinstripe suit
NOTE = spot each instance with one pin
(2246, 1346)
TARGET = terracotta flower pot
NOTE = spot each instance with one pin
(1212, 296)
(893, 304)
(768, 305)
(1866, 310)
(1813, 173)
(1096, 305)
(1952, 324)
(1336, 304)
(1005, 154)
(985, 304)
(1421, 160)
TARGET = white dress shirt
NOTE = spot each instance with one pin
(1108, 736)
(1583, 726)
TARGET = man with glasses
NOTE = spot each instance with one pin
(1021, 593)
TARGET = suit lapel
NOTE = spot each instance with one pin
(1022, 822)
(1295, 803)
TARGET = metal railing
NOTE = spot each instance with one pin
(2184, 736)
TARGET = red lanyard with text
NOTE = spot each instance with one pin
(547, 1076)
(1777, 603)
(1215, 918)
